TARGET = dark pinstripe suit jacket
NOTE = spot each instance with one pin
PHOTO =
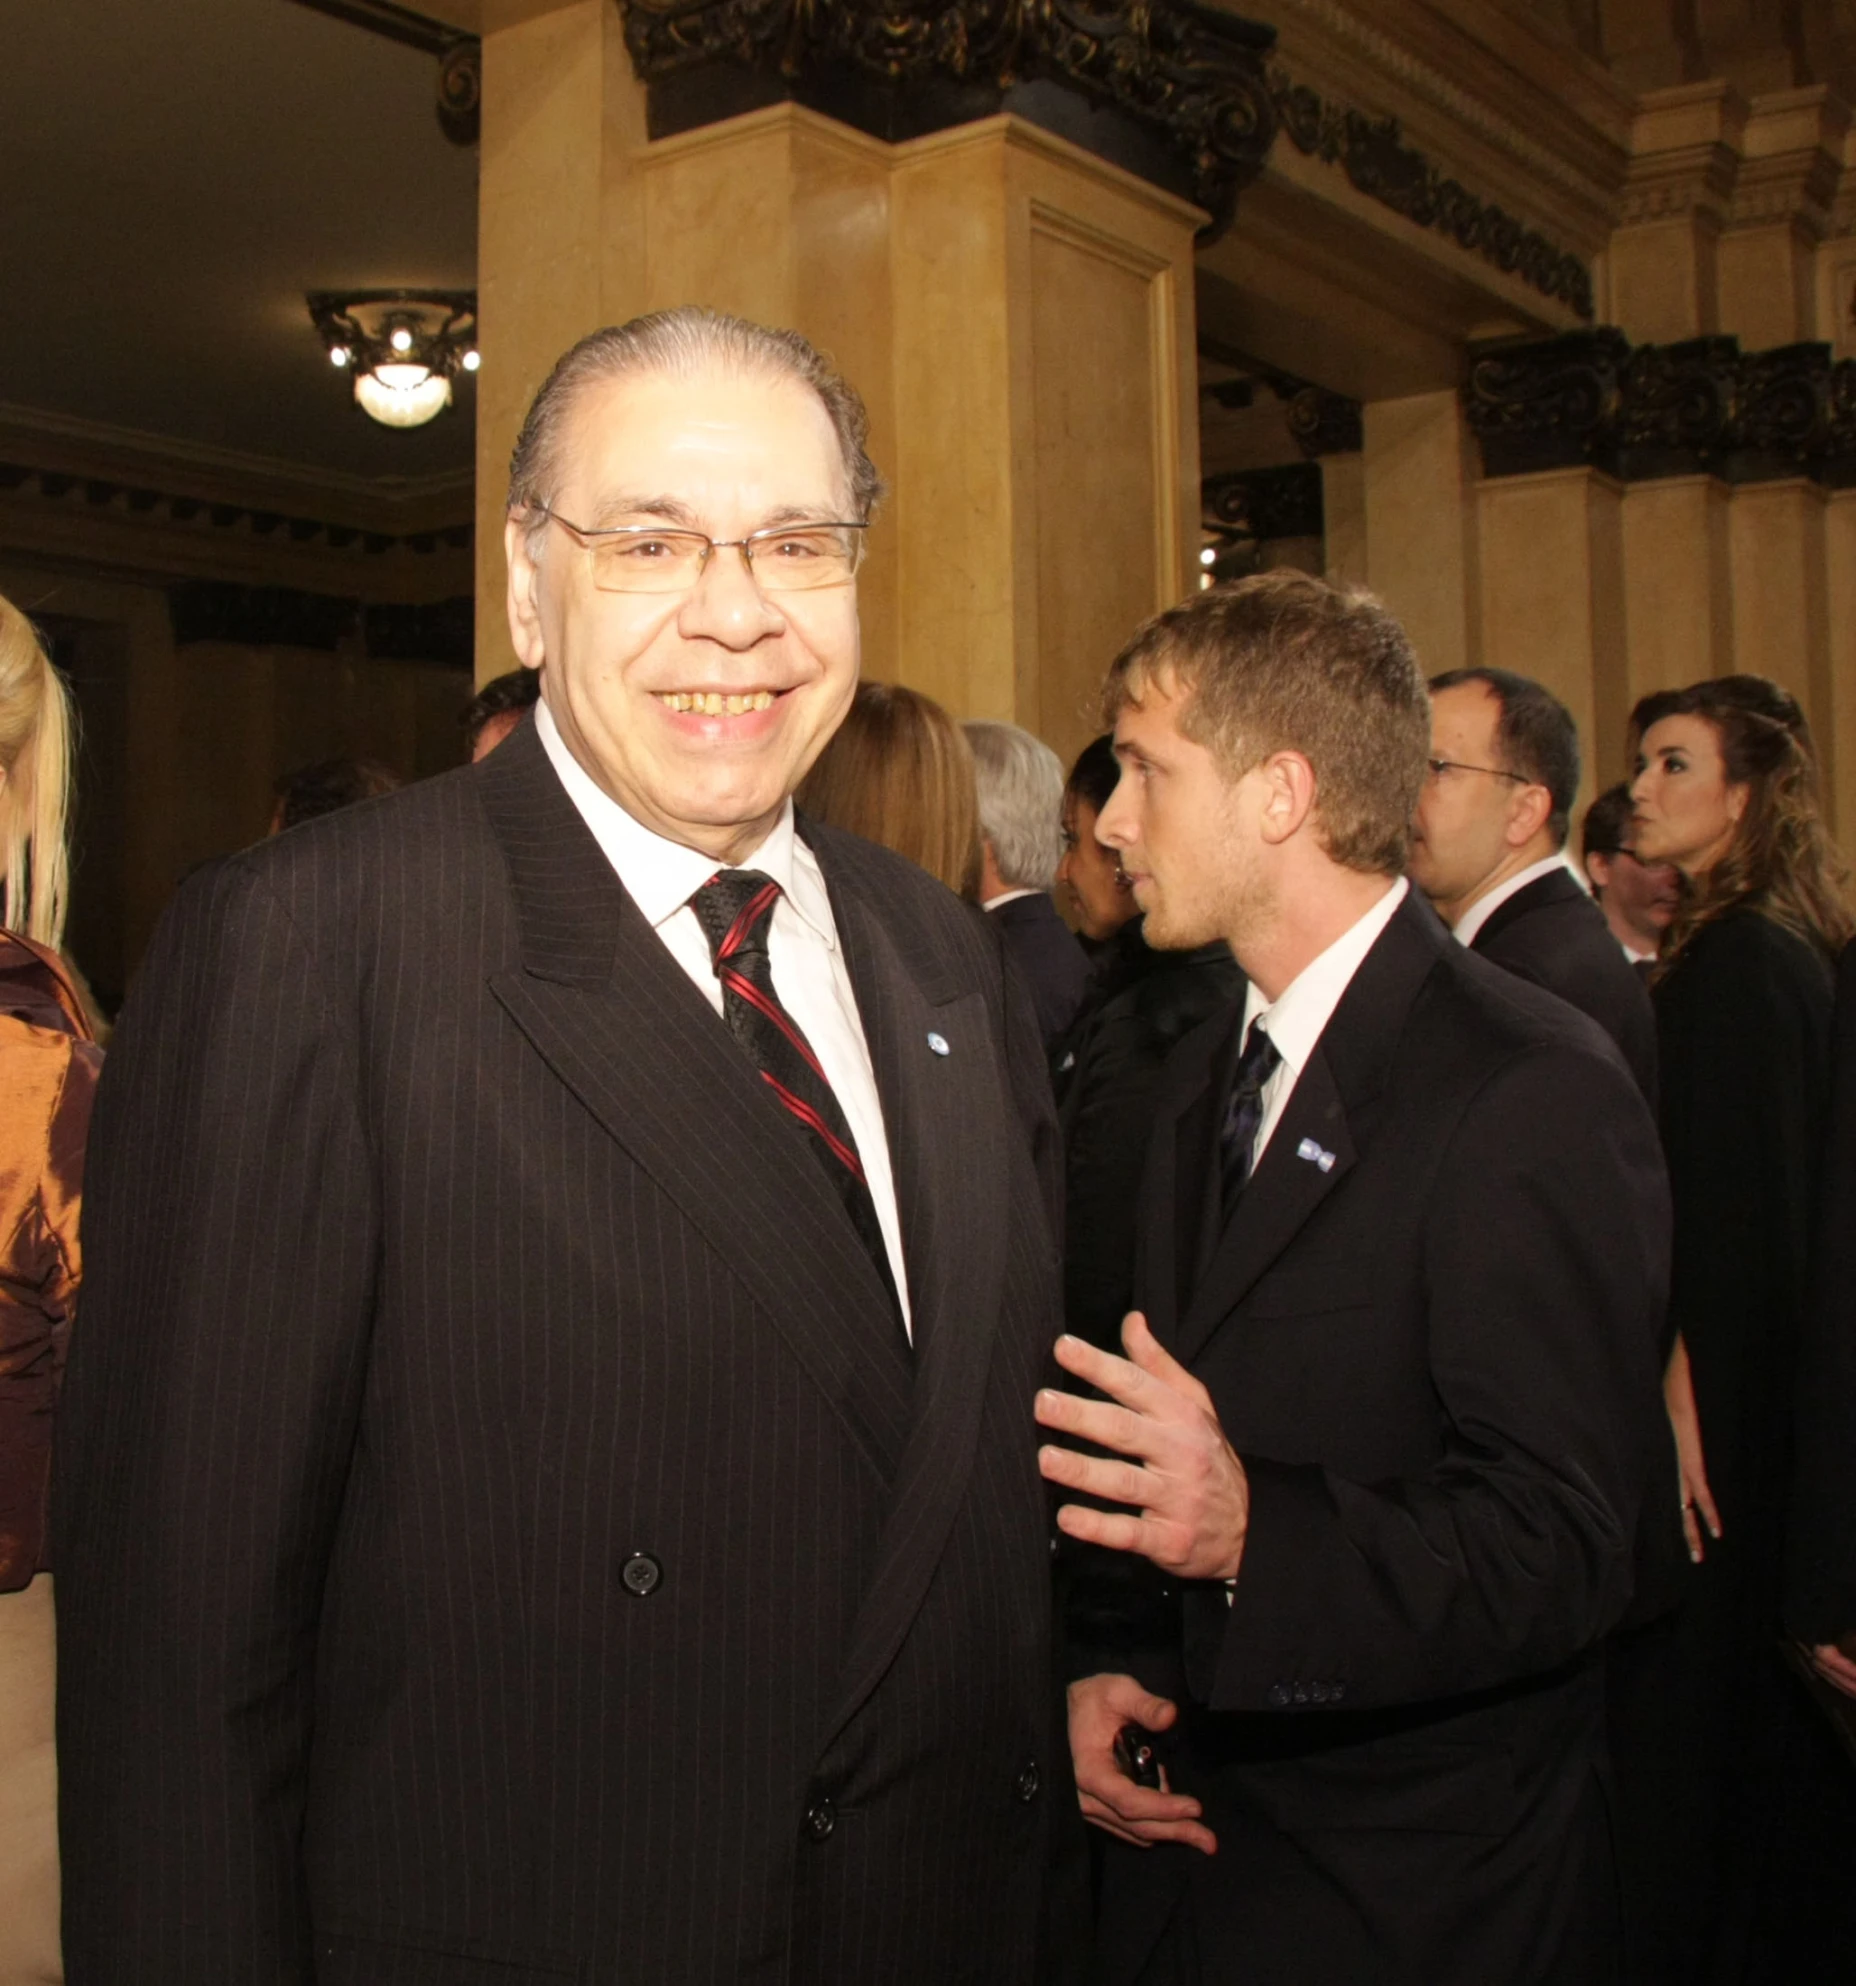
(447, 1257)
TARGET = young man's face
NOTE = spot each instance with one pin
(1185, 831)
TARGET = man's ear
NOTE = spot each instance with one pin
(1288, 795)
(524, 596)
(1529, 812)
(1598, 871)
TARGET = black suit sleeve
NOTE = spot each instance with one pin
(1821, 1574)
(205, 1434)
(1545, 1264)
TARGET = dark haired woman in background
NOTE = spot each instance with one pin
(1730, 1798)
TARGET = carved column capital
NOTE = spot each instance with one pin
(1663, 410)
(1187, 79)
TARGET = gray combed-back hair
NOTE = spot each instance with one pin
(1021, 803)
(681, 342)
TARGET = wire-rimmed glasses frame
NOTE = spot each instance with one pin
(1438, 767)
(818, 555)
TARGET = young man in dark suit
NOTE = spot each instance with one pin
(1388, 1404)
(1488, 848)
(548, 1492)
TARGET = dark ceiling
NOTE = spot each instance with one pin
(177, 174)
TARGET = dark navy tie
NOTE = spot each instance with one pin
(1243, 1115)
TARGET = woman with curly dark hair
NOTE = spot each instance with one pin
(1729, 1797)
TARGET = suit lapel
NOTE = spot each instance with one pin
(949, 1147)
(617, 1020)
(1179, 1176)
(1309, 1153)
(1326, 1126)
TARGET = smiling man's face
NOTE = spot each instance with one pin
(698, 712)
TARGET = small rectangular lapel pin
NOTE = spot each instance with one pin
(1311, 1151)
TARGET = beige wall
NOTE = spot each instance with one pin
(1017, 314)
(186, 741)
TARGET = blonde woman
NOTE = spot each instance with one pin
(48, 1072)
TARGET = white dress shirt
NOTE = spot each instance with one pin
(807, 961)
(1297, 1017)
(1485, 907)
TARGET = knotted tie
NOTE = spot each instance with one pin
(735, 909)
(1244, 1113)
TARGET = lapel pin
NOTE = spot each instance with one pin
(1311, 1151)
(938, 1043)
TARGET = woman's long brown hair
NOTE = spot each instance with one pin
(900, 771)
(1781, 861)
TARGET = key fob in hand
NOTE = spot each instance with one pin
(1135, 1755)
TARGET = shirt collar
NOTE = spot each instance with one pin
(1297, 1017)
(1465, 928)
(660, 876)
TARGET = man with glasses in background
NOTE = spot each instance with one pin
(1638, 898)
(549, 1493)
(1488, 847)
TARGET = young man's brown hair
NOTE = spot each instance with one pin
(1286, 662)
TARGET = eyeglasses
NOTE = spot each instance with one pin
(784, 558)
(1440, 766)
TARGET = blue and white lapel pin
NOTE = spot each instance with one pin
(1315, 1155)
(938, 1043)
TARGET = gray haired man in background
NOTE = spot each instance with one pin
(1021, 842)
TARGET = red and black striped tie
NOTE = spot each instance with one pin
(735, 909)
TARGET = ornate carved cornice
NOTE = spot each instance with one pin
(460, 56)
(288, 617)
(138, 500)
(1372, 152)
(1443, 87)
(1664, 410)
(1322, 422)
(1190, 79)
(1264, 503)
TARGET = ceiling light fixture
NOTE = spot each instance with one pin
(404, 347)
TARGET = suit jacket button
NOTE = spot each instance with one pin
(1025, 1786)
(1318, 1692)
(821, 1819)
(641, 1575)
(1301, 1692)
(1279, 1695)
(1336, 1691)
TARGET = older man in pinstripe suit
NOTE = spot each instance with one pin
(549, 1490)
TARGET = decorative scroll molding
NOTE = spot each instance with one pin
(1325, 423)
(1372, 152)
(1665, 410)
(1322, 422)
(460, 56)
(288, 617)
(258, 616)
(1190, 77)
(444, 631)
(1264, 503)
(138, 500)
(1345, 27)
